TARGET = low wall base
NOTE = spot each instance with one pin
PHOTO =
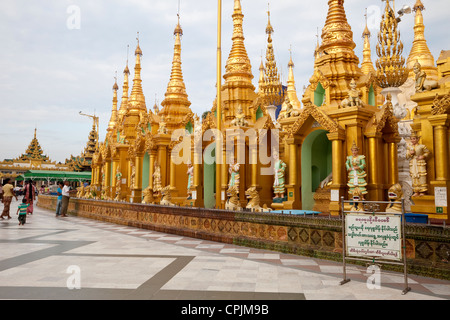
(427, 246)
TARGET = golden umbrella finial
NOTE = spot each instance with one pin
(391, 68)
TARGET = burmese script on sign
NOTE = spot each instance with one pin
(374, 236)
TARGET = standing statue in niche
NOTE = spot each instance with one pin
(118, 184)
(356, 165)
(234, 174)
(417, 154)
(133, 177)
(279, 174)
(157, 179)
(190, 173)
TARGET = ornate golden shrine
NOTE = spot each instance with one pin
(344, 104)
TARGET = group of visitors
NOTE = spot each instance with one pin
(25, 208)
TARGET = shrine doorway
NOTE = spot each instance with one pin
(209, 176)
(316, 165)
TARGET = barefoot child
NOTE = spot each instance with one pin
(22, 212)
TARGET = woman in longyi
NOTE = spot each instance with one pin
(356, 165)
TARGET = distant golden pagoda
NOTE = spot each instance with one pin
(83, 162)
(33, 159)
(34, 152)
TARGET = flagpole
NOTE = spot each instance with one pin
(219, 107)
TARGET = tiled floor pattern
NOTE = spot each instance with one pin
(120, 262)
(325, 267)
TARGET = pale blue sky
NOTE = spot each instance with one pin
(50, 72)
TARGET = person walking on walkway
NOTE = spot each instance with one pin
(22, 212)
(59, 198)
(8, 194)
(30, 195)
(65, 198)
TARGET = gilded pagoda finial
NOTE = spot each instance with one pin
(175, 106)
(367, 65)
(337, 35)
(238, 66)
(391, 69)
(137, 99)
(124, 101)
(272, 87)
(419, 50)
(113, 120)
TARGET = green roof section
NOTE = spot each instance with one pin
(57, 175)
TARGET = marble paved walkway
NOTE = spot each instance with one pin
(75, 258)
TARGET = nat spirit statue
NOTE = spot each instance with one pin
(417, 154)
(354, 97)
(290, 111)
(190, 173)
(279, 174)
(162, 126)
(234, 175)
(239, 120)
(118, 184)
(422, 84)
(157, 179)
(133, 177)
(356, 165)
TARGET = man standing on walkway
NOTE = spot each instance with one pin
(59, 198)
(65, 198)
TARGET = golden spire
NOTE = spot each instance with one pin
(261, 77)
(367, 65)
(291, 90)
(113, 120)
(238, 66)
(337, 35)
(176, 103)
(272, 85)
(336, 63)
(136, 102)
(391, 69)
(317, 50)
(124, 101)
(420, 51)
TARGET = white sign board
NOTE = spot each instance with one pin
(373, 236)
(440, 196)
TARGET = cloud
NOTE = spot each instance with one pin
(51, 72)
